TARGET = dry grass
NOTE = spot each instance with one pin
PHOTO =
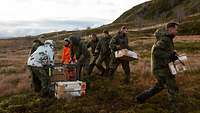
(106, 96)
(14, 84)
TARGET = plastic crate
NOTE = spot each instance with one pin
(64, 72)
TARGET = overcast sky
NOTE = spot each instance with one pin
(32, 17)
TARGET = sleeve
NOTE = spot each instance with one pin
(113, 44)
(128, 47)
(72, 54)
(34, 48)
(89, 45)
(84, 54)
(98, 47)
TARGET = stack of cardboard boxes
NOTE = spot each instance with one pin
(65, 81)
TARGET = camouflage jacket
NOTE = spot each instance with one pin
(93, 45)
(103, 46)
(120, 40)
(79, 48)
(161, 51)
(36, 44)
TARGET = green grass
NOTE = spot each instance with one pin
(191, 47)
(105, 97)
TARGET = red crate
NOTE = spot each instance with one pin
(64, 72)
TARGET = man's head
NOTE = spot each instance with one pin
(105, 33)
(94, 37)
(124, 29)
(172, 29)
(42, 38)
(67, 42)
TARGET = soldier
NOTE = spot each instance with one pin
(104, 53)
(120, 41)
(82, 56)
(93, 44)
(36, 43)
(40, 64)
(163, 53)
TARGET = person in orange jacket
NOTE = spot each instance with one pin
(66, 52)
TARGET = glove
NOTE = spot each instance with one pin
(174, 57)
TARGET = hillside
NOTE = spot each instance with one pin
(159, 11)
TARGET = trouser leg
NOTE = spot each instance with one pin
(45, 82)
(113, 66)
(172, 92)
(35, 83)
(159, 86)
(126, 68)
(91, 66)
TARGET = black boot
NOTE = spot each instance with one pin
(141, 98)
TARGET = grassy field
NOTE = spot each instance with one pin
(106, 96)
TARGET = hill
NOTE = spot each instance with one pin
(159, 11)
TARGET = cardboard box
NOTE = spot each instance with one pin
(179, 65)
(126, 54)
(70, 89)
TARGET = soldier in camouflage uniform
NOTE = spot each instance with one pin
(163, 53)
(82, 57)
(93, 44)
(120, 41)
(104, 52)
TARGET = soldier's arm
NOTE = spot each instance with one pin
(128, 47)
(113, 44)
(84, 54)
(89, 44)
(72, 53)
(34, 48)
(98, 47)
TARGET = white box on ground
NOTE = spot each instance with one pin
(178, 65)
(69, 88)
(126, 54)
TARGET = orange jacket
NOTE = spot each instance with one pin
(66, 55)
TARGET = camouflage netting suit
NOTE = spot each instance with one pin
(104, 54)
(93, 45)
(160, 57)
(120, 41)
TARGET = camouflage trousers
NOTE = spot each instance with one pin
(163, 82)
(114, 63)
(99, 64)
(92, 64)
(40, 80)
(83, 65)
